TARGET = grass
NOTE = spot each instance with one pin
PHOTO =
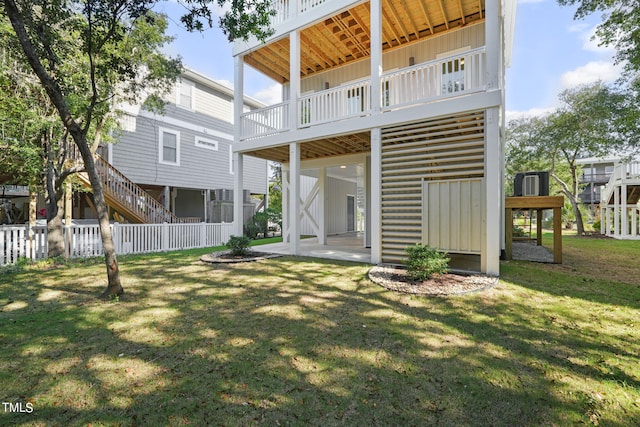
(292, 341)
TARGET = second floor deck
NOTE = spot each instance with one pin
(450, 76)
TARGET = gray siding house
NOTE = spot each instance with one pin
(182, 157)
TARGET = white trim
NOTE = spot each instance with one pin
(208, 144)
(161, 132)
(186, 83)
(230, 161)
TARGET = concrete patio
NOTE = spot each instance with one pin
(346, 247)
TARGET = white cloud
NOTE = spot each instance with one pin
(591, 42)
(533, 112)
(271, 95)
(590, 73)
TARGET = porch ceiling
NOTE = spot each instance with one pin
(344, 37)
(327, 147)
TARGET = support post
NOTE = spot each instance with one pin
(539, 227)
(294, 78)
(238, 199)
(376, 196)
(367, 203)
(624, 214)
(508, 233)
(322, 221)
(375, 25)
(285, 204)
(490, 255)
(557, 235)
(294, 198)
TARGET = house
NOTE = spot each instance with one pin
(596, 172)
(408, 93)
(182, 156)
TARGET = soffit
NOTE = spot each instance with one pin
(344, 38)
(321, 148)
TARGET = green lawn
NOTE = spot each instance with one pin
(293, 341)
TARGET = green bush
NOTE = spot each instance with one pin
(238, 245)
(597, 226)
(424, 262)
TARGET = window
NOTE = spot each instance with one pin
(185, 94)
(207, 143)
(169, 147)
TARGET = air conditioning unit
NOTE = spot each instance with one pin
(531, 184)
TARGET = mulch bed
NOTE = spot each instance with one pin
(395, 279)
(225, 257)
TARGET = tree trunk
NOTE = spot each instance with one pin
(55, 93)
(55, 232)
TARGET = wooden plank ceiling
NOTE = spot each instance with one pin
(327, 147)
(344, 37)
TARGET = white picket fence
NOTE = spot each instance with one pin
(83, 241)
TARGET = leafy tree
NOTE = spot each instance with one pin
(586, 124)
(620, 27)
(88, 54)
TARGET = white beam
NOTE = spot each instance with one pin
(294, 198)
(367, 203)
(624, 214)
(376, 196)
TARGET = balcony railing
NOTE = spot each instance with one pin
(442, 78)
(353, 99)
(265, 121)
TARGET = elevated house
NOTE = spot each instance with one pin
(596, 172)
(182, 157)
(409, 93)
(620, 202)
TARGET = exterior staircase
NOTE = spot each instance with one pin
(620, 208)
(128, 199)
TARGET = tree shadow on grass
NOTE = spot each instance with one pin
(289, 341)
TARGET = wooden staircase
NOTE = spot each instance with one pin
(128, 199)
(620, 210)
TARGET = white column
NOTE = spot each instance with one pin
(634, 221)
(375, 24)
(294, 78)
(294, 198)
(624, 214)
(376, 196)
(166, 197)
(285, 203)
(238, 199)
(616, 211)
(238, 95)
(493, 43)
(322, 208)
(367, 202)
(490, 255)
(207, 197)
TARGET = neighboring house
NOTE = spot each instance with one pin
(620, 201)
(596, 172)
(410, 95)
(182, 157)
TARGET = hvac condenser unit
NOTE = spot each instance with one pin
(531, 184)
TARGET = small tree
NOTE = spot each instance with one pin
(238, 245)
(425, 261)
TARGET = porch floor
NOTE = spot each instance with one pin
(346, 247)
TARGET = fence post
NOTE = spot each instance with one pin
(203, 234)
(165, 237)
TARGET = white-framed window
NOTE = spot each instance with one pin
(169, 147)
(209, 144)
(185, 94)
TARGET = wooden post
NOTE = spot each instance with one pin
(539, 227)
(508, 233)
(557, 235)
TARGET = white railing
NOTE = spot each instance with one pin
(444, 77)
(281, 9)
(265, 121)
(621, 171)
(83, 241)
(306, 5)
(353, 99)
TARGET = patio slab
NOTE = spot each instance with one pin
(346, 247)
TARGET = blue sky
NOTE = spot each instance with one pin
(551, 52)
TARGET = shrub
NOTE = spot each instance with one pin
(424, 262)
(238, 245)
(597, 226)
